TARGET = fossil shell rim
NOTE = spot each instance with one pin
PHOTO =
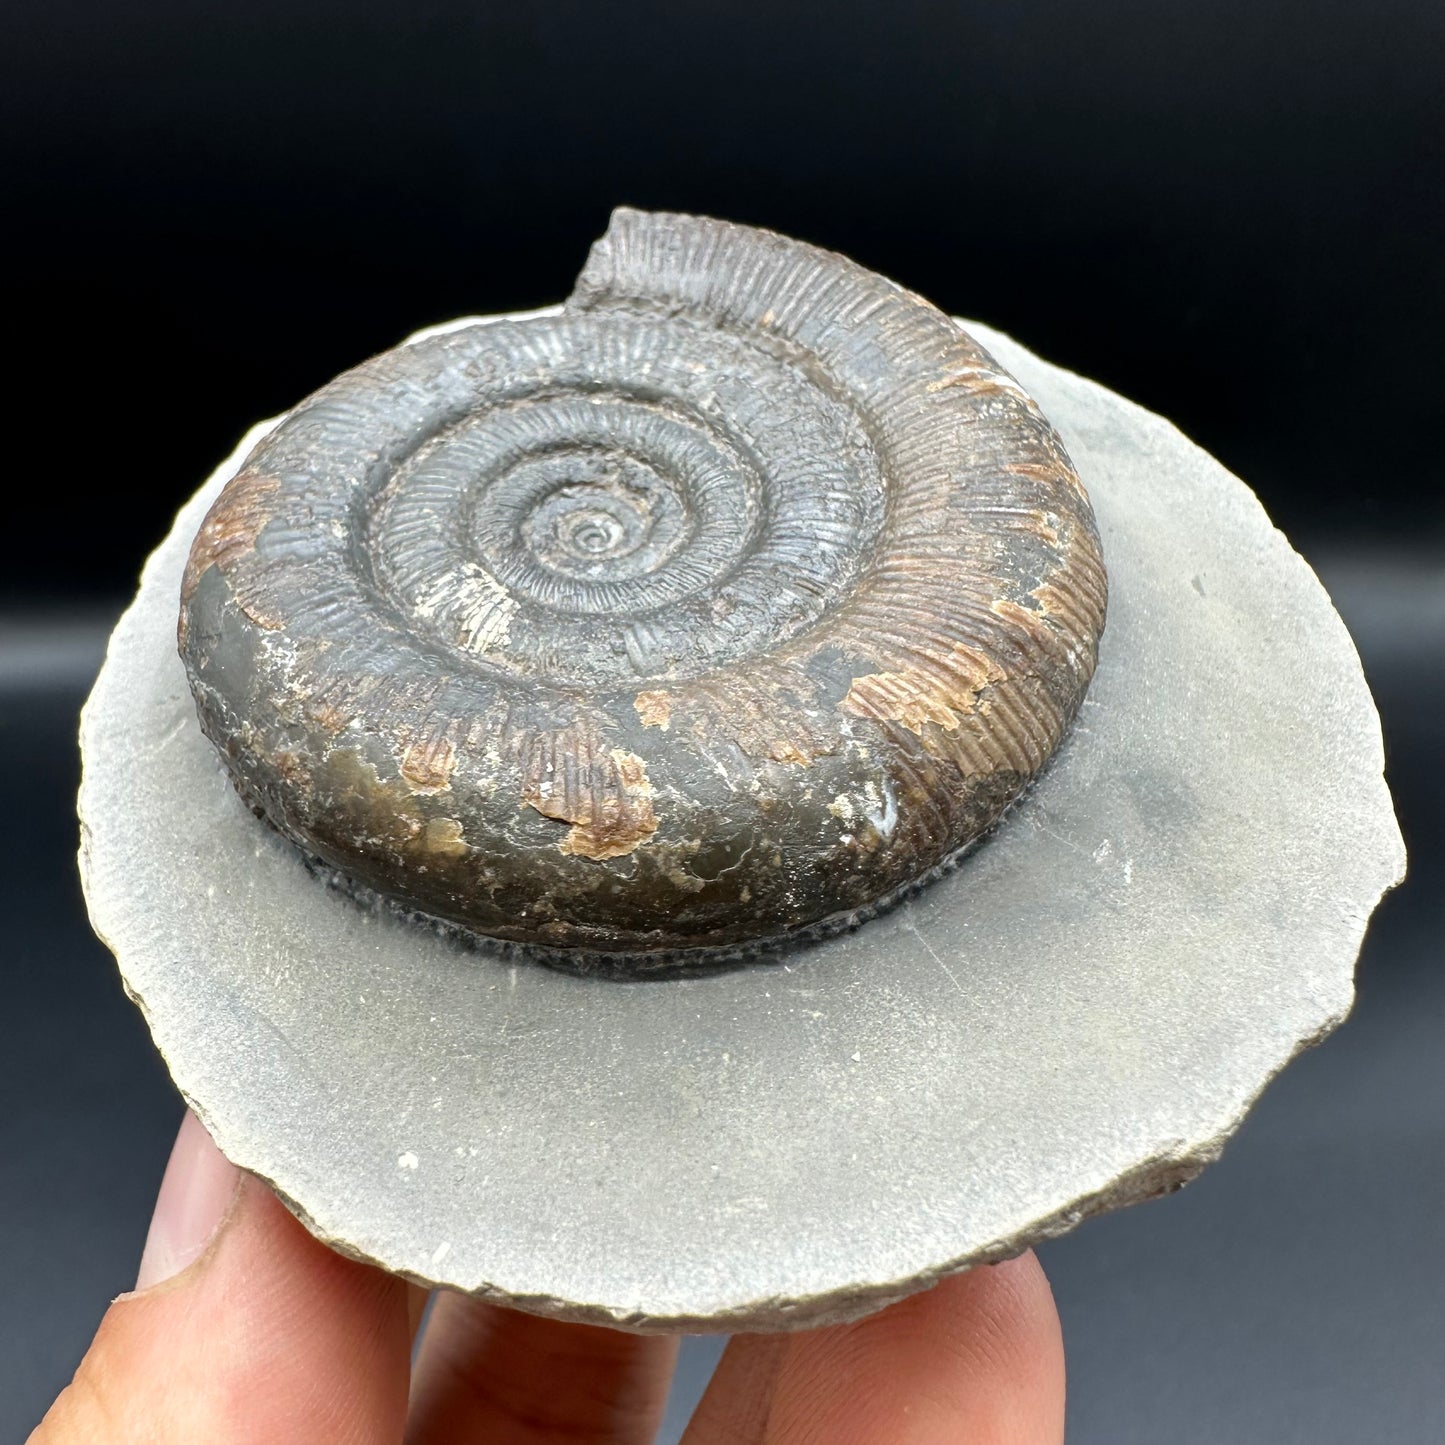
(724, 606)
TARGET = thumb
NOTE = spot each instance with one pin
(242, 1328)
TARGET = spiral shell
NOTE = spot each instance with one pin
(726, 603)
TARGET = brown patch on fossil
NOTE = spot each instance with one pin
(980, 380)
(654, 708)
(1077, 608)
(756, 716)
(328, 716)
(388, 809)
(1047, 473)
(1045, 525)
(427, 764)
(942, 690)
(292, 767)
(344, 697)
(1034, 621)
(604, 794)
(1056, 471)
(444, 836)
(782, 750)
(230, 530)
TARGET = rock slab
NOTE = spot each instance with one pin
(1075, 1020)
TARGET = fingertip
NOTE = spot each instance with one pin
(1008, 1346)
(979, 1357)
(199, 1187)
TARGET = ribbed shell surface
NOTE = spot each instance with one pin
(724, 605)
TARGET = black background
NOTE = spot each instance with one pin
(1229, 212)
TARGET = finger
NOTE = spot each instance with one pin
(417, 1300)
(978, 1358)
(243, 1329)
(487, 1373)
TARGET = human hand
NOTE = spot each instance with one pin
(244, 1330)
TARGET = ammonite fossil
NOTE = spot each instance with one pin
(724, 605)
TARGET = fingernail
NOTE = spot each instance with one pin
(196, 1193)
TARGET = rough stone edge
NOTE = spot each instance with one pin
(1168, 1170)
(1166, 1173)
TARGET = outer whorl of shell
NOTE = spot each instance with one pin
(725, 604)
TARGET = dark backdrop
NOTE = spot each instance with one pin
(1230, 212)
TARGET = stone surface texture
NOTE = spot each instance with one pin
(1073, 1021)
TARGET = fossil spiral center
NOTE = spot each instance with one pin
(591, 532)
(599, 514)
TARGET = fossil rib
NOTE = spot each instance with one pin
(724, 605)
